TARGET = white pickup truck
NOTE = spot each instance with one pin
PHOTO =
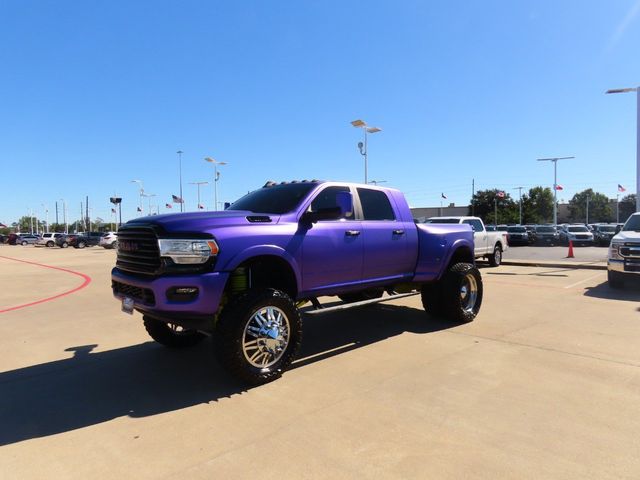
(624, 253)
(489, 245)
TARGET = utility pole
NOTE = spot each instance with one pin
(56, 213)
(520, 189)
(216, 177)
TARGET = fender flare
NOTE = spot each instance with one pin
(265, 250)
(455, 246)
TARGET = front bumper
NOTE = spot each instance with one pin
(150, 295)
(624, 266)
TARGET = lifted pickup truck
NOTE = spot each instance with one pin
(243, 274)
(489, 245)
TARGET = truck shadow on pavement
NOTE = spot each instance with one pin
(147, 379)
(630, 293)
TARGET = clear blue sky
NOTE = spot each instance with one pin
(95, 94)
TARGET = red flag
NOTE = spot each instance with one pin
(559, 187)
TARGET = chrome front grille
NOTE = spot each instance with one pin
(138, 250)
(630, 250)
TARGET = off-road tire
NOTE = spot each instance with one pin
(162, 333)
(453, 304)
(615, 280)
(495, 259)
(229, 333)
(361, 296)
(432, 300)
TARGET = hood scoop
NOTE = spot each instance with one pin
(259, 219)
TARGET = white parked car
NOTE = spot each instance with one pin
(489, 245)
(49, 239)
(109, 240)
(624, 253)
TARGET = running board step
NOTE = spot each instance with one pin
(347, 306)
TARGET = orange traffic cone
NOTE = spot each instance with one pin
(570, 255)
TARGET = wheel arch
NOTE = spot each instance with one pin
(267, 271)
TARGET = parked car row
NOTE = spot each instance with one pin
(63, 240)
(578, 234)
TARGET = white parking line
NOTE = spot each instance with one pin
(582, 281)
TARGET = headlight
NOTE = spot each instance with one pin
(188, 251)
(614, 251)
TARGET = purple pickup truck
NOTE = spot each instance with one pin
(244, 274)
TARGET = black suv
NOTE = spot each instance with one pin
(87, 239)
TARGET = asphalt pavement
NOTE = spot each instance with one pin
(545, 383)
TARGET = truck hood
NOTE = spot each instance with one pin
(628, 236)
(203, 221)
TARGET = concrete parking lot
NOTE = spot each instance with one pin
(544, 384)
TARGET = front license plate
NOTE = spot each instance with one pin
(127, 305)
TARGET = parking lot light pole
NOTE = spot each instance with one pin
(46, 218)
(216, 177)
(520, 189)
(199, 184)
(555, 184)
(141, 192)
(180, 152)
(64, 215)
(363, 146)
(637, 91)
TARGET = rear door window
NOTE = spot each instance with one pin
(375, 205)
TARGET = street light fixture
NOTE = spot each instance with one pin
(637, 90)
(555, 183)
(198, 184)
(216, 177)
(141, 192)
(363, 146)
(376, 182)
(149, 196)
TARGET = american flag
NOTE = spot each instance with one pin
(443, 195)
(139, 209)
(500, 194)
(621, 188)
(177, 199)
(2, 225)
(113, 210)
(200, 206)
(559, 187)
(168, 205)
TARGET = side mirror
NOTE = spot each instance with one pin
(331, 213)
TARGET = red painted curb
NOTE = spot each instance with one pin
(87, 281)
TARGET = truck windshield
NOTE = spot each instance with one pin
(442, 220)
(516, 230)
(578, 229)
(607, 228)
(546, 229)
(632, 225)
(277, 199)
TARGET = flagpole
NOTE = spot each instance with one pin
(617, 208)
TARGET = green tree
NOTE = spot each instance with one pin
(599, 207)
(537, 205)
(626, 207)
(484, 207)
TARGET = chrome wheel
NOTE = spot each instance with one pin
(266, 336)
(468, 292)
(498, 256)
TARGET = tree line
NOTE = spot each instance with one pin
(537, 207)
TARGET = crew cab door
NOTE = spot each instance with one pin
(387, 253)
(332, 250)
(480, 236)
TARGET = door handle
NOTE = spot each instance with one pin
(352, 233)
(398, 232)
